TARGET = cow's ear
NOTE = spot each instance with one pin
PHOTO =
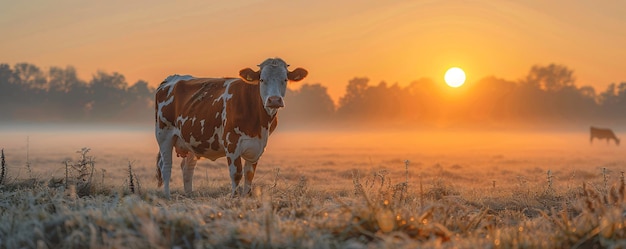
(297, 74)
(250, 76)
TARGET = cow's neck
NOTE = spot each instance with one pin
(267, 116)
(257, 117)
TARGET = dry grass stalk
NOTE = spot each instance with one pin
(67, 173)
(3, 170)
(103, 173)
(276, 176)
(550, 177)
(79, 174)
(131, 182)
(605, 179)
(406, 164)
(85, 166)
(28, 168)
(421, 194)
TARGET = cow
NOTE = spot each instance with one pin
(601, 133)
(219, 117)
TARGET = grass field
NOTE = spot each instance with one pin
(320, 190)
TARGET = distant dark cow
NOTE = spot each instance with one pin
(600, 133)
(217, 117)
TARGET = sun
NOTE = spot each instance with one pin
(455, 77)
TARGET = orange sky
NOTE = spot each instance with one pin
(395, 41)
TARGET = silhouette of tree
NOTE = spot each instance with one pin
(108, 94)
(588, 92)
(141, 90)
(67, 94)
(491, 100)
(6, 74)
(613, 101)
(423, 101)
(381, 104)
(384, 103)
(309, 104)
(610, 96)
(8, 86)
(140, 106)
(30, 76)
(550, 78)
(10, 91)
(30, 94)
(574, 104)
(548, 94)
(63, 80)
(351, 104)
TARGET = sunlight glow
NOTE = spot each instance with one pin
(455, 77)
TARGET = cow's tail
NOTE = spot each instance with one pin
(158, 171)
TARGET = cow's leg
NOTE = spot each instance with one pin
(166, 143)
(234, 166)
(188, 165)
(248, 171)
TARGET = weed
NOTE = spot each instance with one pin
(550, 191)
(28, 167)
(3, 169)
(377, 210)
(605, 179)
(79, 174)
(131, 183)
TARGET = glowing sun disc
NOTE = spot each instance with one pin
(455, 77)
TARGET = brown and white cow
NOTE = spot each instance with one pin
(217, 117)
(601, 133)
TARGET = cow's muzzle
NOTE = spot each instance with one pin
(274, 102)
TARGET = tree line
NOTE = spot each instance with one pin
(547, 95)
(28, 93)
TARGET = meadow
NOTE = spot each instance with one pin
(318, 189)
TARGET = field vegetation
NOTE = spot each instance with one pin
(327, 194)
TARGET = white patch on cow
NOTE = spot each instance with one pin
(227, 141)
(193, 121)
(202, 126)
(251, 148)
(173, 79)
(160, 108)
(211, 139)
(226, 95)
(181, 120)
(214, 154)
(193, 142)
(219, 131)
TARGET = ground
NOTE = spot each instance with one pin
(319, 189)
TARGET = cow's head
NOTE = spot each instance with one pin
(272, 78)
